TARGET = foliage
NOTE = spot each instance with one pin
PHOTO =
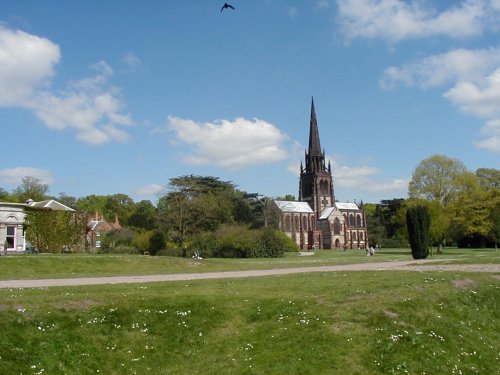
(386, 223)
(157, 241)
(117, 238)
(143, 215)
(238, 241)
(435, 179)
(271, 244)
(418, 222)
(31, 188)
(193, 204)
(55, 231)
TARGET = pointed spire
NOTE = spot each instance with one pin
(314, 144)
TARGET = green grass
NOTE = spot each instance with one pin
(87, 265)
(320, 323)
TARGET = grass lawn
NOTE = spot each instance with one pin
(385, 322)
(87, 265)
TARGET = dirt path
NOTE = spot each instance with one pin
(410, 265)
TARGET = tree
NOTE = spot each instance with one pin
(120, 205)
(31, 188)
(375, 226)
(195, 203)
(439, 180)
(91, 203)
(488, 178)
(418, 223)
(55, 231)
(471, 209)
(435, 179)
(143, 216)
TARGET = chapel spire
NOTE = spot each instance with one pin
(314, 144)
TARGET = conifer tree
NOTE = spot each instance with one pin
(418, 224)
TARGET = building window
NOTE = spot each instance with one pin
(351, 220)
(304, 222)
(354, 236)
(296, 223)
(11, 237)
(358, 221)
(361, 236)
(288, 223)
(336, 226)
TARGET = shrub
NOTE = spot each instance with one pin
(418, 223)
(123, 249)
(270, 245)
(157, 242)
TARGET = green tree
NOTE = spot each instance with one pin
(4, 195)
(435, 179)
(193, 204)
(92, 203)
(418, 223)
(489, 178)
(55, 231)
(471, 209)
(439, 180)
(376, 228)
(31, 188)
(143, 215)
(118, 205)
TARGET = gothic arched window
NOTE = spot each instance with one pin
(304, 222)
(358, 221)
(336, 226)
(288, 223)
(351, 220)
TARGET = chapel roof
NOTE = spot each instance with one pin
(292, 206)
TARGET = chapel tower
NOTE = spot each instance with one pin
(316, 183)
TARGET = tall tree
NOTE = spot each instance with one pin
(31, 188)
(438, 180)
(195, 203)
(418, 223)
(143, 216)
(435, 179)
(489, 178)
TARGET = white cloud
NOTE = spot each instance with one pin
(395, 20)
(481, 98)
(148, 189)
(89, 106)
(132, 61)
(473, 80)
(229, 144)
(365, 178)
(14, 176)
(459, 65)
(26, 63)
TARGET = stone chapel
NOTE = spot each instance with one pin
(317, 220)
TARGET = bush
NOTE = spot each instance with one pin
(418, 223)
(123, 249)
(157, 242)
(271, 244)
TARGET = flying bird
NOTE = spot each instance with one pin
(225, 6)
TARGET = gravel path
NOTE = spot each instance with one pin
(410, 265)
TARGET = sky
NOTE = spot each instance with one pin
(120, 96)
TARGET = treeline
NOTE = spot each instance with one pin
(193, 214)
(199, 213)
(464, 206)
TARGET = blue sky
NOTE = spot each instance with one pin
(119, 96)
